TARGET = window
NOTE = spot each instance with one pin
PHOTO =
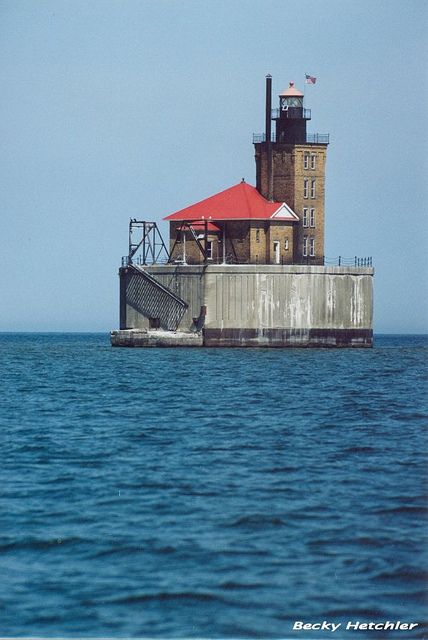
(209, 249)
(306, 161)
(257, 235)
(312, 247)
(286, 244)
(305, 187)
(313, 161)
(312, 218)
(313, 181)
(305, 217)
(305, 245)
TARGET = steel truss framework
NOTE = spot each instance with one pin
(150, 242)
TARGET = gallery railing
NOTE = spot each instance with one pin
(311, 138)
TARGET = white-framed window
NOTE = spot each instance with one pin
(306, 161)
(312, 247)
(210, 244)
(305, 245)
(312, 218)
(306, 187)
(286, 244)
(313, 161)
(313, 188)
(305, 217)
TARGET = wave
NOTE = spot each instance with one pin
(232, 585)
(335, 542)
(286, 469)
(258, 520)
(404, 574)
(348, 612)
(127, 550)
(360, 450)
(35, 544)
(405, 509)
(240, 552)
(166, 596)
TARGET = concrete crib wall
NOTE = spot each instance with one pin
(289, 305)
(275, 305)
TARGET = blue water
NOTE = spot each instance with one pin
(213, 493)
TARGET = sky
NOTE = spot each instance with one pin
(111, 109)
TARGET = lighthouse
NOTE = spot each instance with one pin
(290, 167)
(246, 266)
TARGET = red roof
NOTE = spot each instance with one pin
(240, 202)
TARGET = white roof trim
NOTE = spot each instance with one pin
(284, 212)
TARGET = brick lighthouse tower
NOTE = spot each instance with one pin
(290, 167)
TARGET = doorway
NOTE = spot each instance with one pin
(276, 251)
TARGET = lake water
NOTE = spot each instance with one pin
(218, 493)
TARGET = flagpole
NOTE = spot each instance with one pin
(304, 90)
(309, 80)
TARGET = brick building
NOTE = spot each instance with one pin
(281, 221)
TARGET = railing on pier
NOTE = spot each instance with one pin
(139, 261)
(339, 261)
(342, 261)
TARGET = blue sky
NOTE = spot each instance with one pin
(116, 109)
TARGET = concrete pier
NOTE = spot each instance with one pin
(155, 338)
(253, 305)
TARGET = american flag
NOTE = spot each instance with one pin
(310, 79)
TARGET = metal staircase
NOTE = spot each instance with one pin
(154, 300)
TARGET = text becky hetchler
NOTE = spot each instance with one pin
(354, 626)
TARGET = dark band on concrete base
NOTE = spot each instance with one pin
(288, 337)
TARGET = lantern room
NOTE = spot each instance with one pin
(291, 116)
